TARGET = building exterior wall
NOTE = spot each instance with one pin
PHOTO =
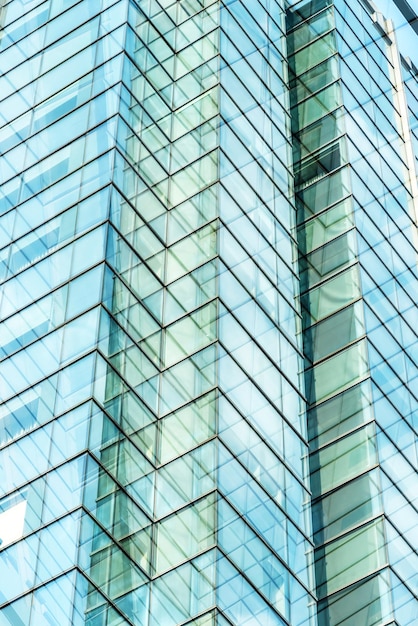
(207, 314)
(355, 184)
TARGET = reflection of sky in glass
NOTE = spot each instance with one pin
(406, 36)
(11, 523)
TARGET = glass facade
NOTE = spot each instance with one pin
(208, 318)
(356, 199)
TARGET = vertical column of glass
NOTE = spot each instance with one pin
(348, 526)
(61, 71)
(264, 534)
(411, 95)
(384, 189)
(159, 329)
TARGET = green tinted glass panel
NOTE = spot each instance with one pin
(326, 192)
(337, 416)
(328, 259)
(317, 134)
(352, 557)
(335, 332)
(313, 54)
(315, 79)
(317, 25)
(342, 370)
(344, 459)
(317, 106)
(327, 226)
(347, 507)
(368, 602)
(334, 294)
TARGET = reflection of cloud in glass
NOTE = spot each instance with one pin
(11, 523)
(406, 37)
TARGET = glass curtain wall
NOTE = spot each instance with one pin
(381, 149)
(61, 67)
(355, 199)
(164, 199)
(264, 533)
(153, 436)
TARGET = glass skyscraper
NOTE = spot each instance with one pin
(208, 313)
